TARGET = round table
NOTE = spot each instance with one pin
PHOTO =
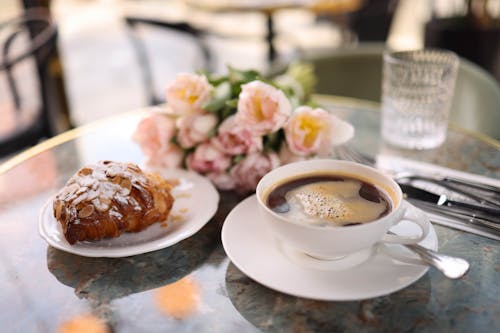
(193, 286)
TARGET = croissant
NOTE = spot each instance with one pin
(108, 198)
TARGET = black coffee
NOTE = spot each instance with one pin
(329, 199)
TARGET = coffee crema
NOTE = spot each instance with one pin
(328, 199)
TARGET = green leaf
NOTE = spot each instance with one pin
(238, 158)
(235, 90)
(239, 77)
(217, 80)
(232, 103)
(213, 79)
(227, 111)
(213, 132)
(174, 140)
(304, 74)
(294, 101)
(312, 104)
(273, 141)
(222, 94)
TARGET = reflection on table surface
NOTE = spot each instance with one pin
(192, 286)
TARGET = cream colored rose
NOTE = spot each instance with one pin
(262, 109)
(188, 93)
(315, 131)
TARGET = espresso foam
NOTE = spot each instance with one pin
(332, 202)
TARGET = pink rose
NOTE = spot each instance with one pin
(195, 128)
(168, 157)
(208, 159)
(315, 131)
(252, 168)
(153, 134)
(262, 108)
(188, 93)
(233, 139)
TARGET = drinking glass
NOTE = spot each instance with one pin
(417, 89)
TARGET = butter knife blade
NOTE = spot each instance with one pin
(447, 212)
(490, 213)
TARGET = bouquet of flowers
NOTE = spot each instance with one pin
(235, 128)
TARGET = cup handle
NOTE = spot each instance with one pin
(415, 215)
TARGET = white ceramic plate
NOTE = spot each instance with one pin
(196, 201)
(255, 251)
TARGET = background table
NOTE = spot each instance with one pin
(43, 289)
(270, 7)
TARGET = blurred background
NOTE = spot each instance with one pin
(103, 57)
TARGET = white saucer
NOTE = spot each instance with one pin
(196, 201)
(371, 273)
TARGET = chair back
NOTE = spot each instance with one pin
(476, 101)
(160, 57)
(350, 72)
(26, 43)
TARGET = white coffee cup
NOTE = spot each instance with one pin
(332, 242)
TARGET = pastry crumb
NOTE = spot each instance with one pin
(183, 195)
(177, 218)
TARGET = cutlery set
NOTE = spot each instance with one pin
(472, 213)
(487, 194)
(479, 207)
(472, 203)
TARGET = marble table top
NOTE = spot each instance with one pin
(193, 286)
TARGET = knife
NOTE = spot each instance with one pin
(468, 218)
(478, 186)
(441, 200)
(452, 182)
(470, 192)
(483, 194)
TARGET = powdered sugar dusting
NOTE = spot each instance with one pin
(101, 183)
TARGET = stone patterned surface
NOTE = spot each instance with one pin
(432, 304)
(42, 288)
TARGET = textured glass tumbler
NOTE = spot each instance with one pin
(417, 89)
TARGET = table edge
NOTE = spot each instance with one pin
(62, 138)
(341, 101)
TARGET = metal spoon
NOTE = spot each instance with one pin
(451, 267)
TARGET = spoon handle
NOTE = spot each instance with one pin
(451, 267)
